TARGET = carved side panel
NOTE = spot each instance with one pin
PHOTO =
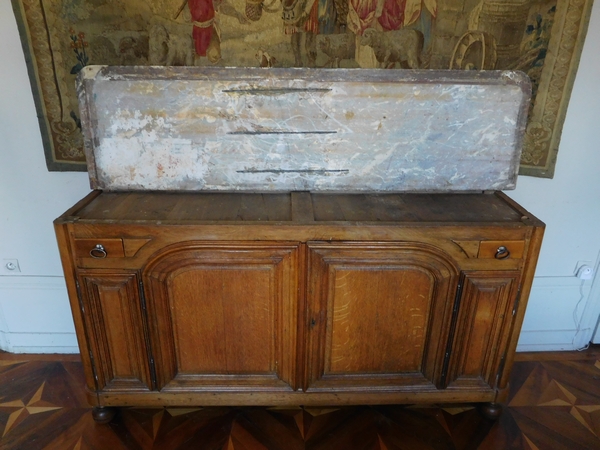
(483, 328)
(113, 316)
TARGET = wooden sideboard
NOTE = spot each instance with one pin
(297, 298)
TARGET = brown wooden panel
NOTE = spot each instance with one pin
(187, 206)
(363, 207)
(483, 327)
(327, 208)
(224, 315)
(112, 246)
(379, 310)
(412, 208)
(113, 316)
(223, 319)
(228, 206)
(461, 208)
(64, 239)
(380, 208)
(133, 245)
(254, 208)
(386, 308)
(489, 249)
(103, 206)
(302, 208)
(528, 273)
(470, 248)
(147, 207)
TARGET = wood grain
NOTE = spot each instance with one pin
(223, 315)
(379, 310)
(298, 298)
(115, 324)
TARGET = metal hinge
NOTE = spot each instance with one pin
(78, 288)
(500, 368)
(153, 370)
(446, 363)
(518, 299)
(142, 296)
(457, 299)
(94, 367)
(82, 308)
(147, 338)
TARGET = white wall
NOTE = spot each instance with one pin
(570, 206)
(570, 202)
(34, 311)
(34, 314)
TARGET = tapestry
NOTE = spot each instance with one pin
(542, 38)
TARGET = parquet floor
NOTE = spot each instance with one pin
(554, 404)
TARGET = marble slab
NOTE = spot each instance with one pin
(166, 128)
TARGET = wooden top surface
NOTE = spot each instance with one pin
(296, 207)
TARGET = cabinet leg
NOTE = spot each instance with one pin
(103, 414)
(491, 410)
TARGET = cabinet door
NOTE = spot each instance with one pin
(379, 315)
(483, 328)
(224, 316)
(115, 330)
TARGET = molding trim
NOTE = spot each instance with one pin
(39, 342)
(549, 323)
(32, 282)
(40, 328)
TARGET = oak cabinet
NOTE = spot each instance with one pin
(298, 298)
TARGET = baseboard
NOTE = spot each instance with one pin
(549, 323)
(40, 342)
(35, 316)
(546, 341)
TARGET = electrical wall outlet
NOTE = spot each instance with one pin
(10, 267)
(581, 264)
(585, 273)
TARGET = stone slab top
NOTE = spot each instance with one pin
(320, 130)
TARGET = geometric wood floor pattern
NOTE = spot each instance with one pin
(554, 404)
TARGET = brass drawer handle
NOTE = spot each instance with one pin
(502, 253)
(98, 252)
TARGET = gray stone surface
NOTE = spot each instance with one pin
(301, 129)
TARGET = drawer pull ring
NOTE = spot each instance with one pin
(502, 253)
(98, 252)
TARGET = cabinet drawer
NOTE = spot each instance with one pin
(99, 248)
(501, 249)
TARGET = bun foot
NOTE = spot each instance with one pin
(103, 414)
(491, 411)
